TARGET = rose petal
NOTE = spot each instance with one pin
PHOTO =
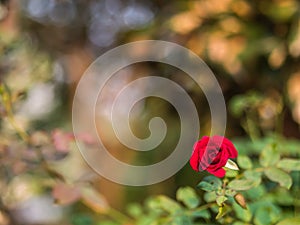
(218, 173)
(230, 148)
(194, 160)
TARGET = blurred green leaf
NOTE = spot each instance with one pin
(210, 196)
(269, 156)
(242, 214)
(188, 196)
(182, 220)
(241, 185)
(135, 210)
(201, 214)
(164, 203)
(279, 12)
(279, 176)
(240, 223)
(229, 192)
(266, 214)
(244, 162)
(256, 192)
(282, 196)
(290, 221)
(254, 176)
(289, 164)
(82, 219)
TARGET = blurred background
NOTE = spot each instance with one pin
(253, 48)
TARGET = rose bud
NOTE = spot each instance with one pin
(239, 198)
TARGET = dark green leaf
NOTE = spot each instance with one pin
(205, 186)
(210, 183)
(279, 176)
(188, 196)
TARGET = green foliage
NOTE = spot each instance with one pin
(244, 162)
(241, 185)
(278, 175)
(210, 183)
(289, 221)
(188, 196)
(289, 164)
(269, 156)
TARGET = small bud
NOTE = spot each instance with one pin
(239, 198)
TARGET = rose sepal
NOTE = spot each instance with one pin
(231, 165)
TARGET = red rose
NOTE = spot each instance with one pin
(212, 154)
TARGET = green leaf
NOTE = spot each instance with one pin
(244, 162)
(256, 193)
(254, 176)
(164, 203)
(240, 223)
(279, 176)
(220, 200)
(242, 214)
(188, 196)
(269, 156)
(231, 173)
(290, 221)
(182, 220)
(284, 197)
(229, 192)
(134, 210)
(241, 185)
(201, 214)
(289, 164)
(266, 213)
(205, 186)
(210, 183)
(210, 196)
(223, 210)
(82, 219)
